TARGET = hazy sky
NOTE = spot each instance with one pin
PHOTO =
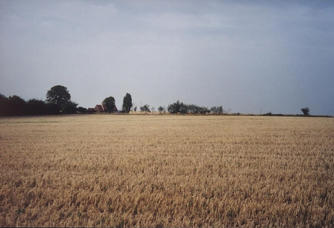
(249, 56)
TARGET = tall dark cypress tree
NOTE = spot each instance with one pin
(127, 103)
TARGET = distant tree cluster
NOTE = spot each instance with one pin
(217, 110)
(180, 107)
(58, 101)
(145, 108)
(16, 106)
(109, 104)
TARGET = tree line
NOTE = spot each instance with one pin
(58, 101)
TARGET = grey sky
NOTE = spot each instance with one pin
(249, 56)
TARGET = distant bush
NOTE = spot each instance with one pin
(145, 108)
(82, 110)
(305, 111)
(161, 109)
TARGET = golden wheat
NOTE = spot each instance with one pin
(167, 171)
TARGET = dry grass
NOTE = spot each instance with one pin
(174, 171)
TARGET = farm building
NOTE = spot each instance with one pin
(99, 108)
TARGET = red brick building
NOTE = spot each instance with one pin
(99, 108)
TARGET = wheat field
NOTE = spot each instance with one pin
(166, 171)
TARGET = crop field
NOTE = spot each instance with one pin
(166, 171)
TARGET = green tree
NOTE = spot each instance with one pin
(58, 95)
(161, 109)
(127, 103)
(109, 104)
(305, 111)
(145, 108)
